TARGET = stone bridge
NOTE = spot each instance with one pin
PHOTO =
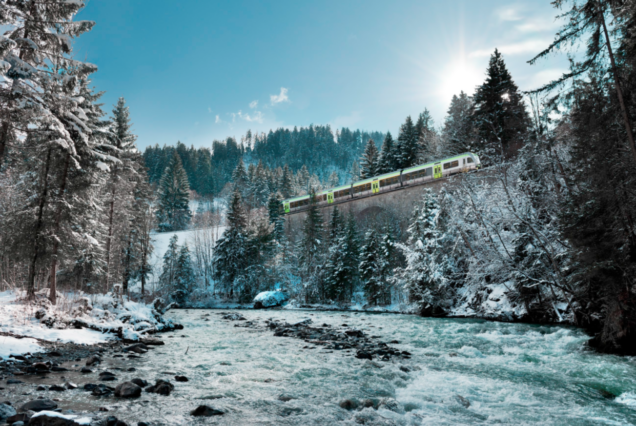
(395, 207)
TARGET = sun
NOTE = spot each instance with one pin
(459, 76)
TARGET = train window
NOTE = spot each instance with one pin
(451, 164)
(389, 181)
(429, 172)
(470, 160)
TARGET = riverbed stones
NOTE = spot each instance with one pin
(51, 420)
(107, 376)
(139, 382)
(127, 390)
(206, 411)
(349, 404)
(14, 382)
(181, 378)
(93, 360)
(463, 401)
(162, 387)
(38, 405)
(101, 390)
(6, 411)
(57, 388)
(86, 370)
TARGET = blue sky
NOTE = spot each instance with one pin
(205, 70)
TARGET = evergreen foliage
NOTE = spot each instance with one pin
(459, 133)
(369, 161)
(407, 146)
(174, 213)
(500, 113)
(387, 161)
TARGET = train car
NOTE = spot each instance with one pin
(389, 181)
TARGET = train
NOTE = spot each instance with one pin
(387, 182)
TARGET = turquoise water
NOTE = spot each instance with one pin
(462, 372)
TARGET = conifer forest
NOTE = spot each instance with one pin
(113, 238)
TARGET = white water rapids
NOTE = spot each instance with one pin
(463, 372)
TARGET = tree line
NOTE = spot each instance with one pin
(75, 202)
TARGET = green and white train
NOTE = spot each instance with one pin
(388, 182)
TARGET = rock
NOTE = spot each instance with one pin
(102, 390)
(405, 369)
(90, 386)
(285, 398)
(132, 369)
(270, 299)
(363, 355)
(349, 404)
(204, 410)
(114, 421)
(181, 378)
(369, 403)
(142, 424)
(162, 387)
(70, 385)
(86, 370)
(41, 388)
(138, 348)
(463, 401)
(41, 366)
(139, 382)
(57, 388)
(391, 405)
(40, 313)
(107, 376)
(20, 417)
(38, 405)
(14, 382)
(58, 369)
(127, 390)
(51, 420)
(354, 333)
(6, 411)
(93, 360)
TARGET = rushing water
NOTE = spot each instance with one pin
(511, 374)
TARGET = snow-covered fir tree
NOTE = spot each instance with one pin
(459, 131)
(369, 161)
(173, 212)
(387, 161)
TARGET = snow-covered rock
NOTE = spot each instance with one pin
(269, 299)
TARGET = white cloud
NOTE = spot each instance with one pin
(510, 13)
(281, 97)
(253, 104)
(538, 25)
(257, 117)
(525, 47)
(217, 119)
(545, 76)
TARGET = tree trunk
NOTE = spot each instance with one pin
(110, 236)
(38, 227)
(58, 217)
(619, 90)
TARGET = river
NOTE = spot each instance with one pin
(462, 372)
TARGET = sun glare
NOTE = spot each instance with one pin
(458, 76)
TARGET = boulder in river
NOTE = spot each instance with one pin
(206, 411)
(114, 421)
(139, 382)
(49, 418)
(93, 360)
(101, 390)
(270, 299)
(6, 411)
(127, 390)
(181, 378)
(162, 387)
(349, 404)
(38, 405)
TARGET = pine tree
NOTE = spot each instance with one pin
(174, 213)
(372, 269)
(310, 251)
(369, 161)
(286, 186)
(425, 276)
(170, 259)
(426, 137)
(459, 132)
(205, 180)
(387, 160)
(355, 172)
(334, 180)
(407, 145)
(240, 178)
(274, 213)
(184, 277)
(236, 217)
(341, 267)
(500, 114)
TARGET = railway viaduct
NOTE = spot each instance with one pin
(394, 206)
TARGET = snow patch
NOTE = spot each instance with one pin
(12, 346)
(80, 421)
(269, 299)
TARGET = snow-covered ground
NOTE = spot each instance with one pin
(77, 318)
